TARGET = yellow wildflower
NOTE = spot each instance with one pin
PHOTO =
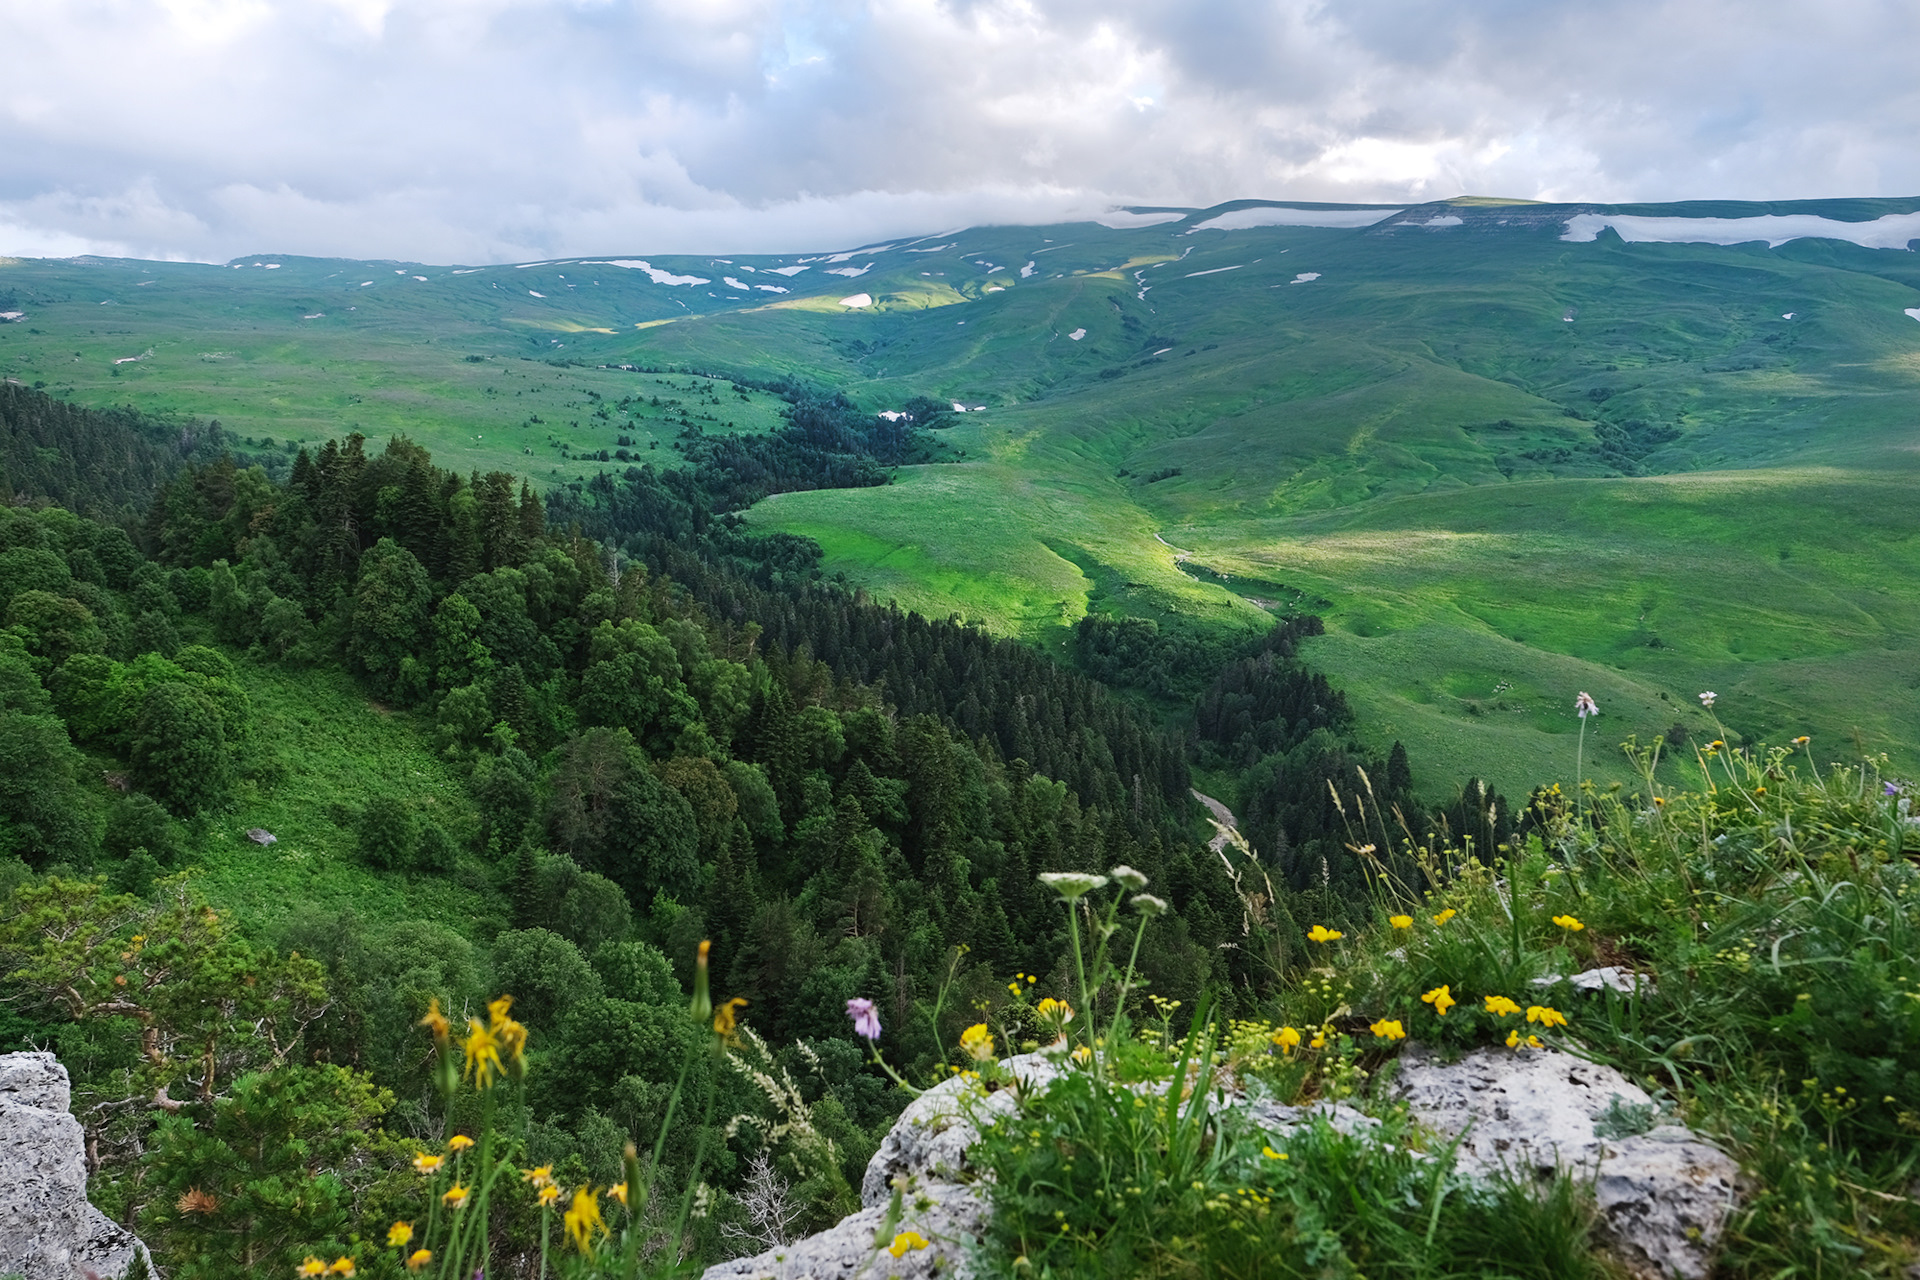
(1320, 933)
(1271, 1154)
(723, 1017)
(1400, 922)
(1083, 1055)
(1441, 998)
(1500, 1006)
(977, 1042)
(1546, 1017)
(459, 1142)
(435, 1021)
(1515, 1042)
(1053, 1011)
(428, 1164)
(1569, 923)
(548, 1194)
(482, 1053)
(399, 1234)
(418, 1262)
(341, 1267)
(1319, 1040)
(619, 1192)
(1445, 916)
(583, 1219)
(540, 1176)
(455, 1197)
(906, 1242)
(312, 1266)
(1288, 1039)
(1389, 1029)
(509, 1035)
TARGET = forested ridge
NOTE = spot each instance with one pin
(669, 729)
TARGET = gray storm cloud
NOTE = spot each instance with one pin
(495, 130)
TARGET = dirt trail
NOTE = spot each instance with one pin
(1221, 814)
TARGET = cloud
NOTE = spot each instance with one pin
(493, 130)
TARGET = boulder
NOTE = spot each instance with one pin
(48, 1230)
(1664, 1195)
(949, 1216)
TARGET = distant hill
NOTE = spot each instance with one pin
(1510, 450)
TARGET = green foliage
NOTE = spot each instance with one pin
(389, 834)
(612, 815)
(48, 814)
(179, 748)
(253, 1186)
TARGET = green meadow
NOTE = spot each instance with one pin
(1505, 467)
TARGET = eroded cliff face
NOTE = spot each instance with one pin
(48, 1230)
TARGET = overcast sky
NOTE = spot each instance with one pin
(503, 130)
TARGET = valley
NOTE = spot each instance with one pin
(1504, 464)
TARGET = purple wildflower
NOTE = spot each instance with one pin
(866, 1020)
(1891, 789)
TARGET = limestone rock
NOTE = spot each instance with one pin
(950, 1217)
(48, 1230)
(930, 1139)
(1664, 1196)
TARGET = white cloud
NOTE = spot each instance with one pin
(501, 130)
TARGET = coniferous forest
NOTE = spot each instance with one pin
(667, 728)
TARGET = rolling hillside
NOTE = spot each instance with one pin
(1508, 450)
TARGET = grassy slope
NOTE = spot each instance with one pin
(1355, 442)
(339, 751)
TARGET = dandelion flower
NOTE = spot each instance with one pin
(866, 1019)
(1400, 922)
(1445, 916)
(418, 1262)
(583, 1219)
(1584, 705)
(1546, 1017)
(1287, 1038)
(1569, 923)
(1388, 1029)
(906, 1242)
(1071, 884)
(459, 1142)
(1320, 933)
(619, 1192)
(547, 1195)
(342, 1266)
(399, 1234)
(1441, 998)
(1500, 1006)
(311, 1266)
(977, 1042)
(428, 1164)
(539, 1176)
(455, 1197)
(1802, 740)
(1127, 877)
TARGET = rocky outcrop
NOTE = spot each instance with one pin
(1663, 1194)
(48, 1230)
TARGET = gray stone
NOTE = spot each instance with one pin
(48, 1230)
(260, 835)
(1607, 978)
(949, 1216)
(929, 1141)
(1664, 1196)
